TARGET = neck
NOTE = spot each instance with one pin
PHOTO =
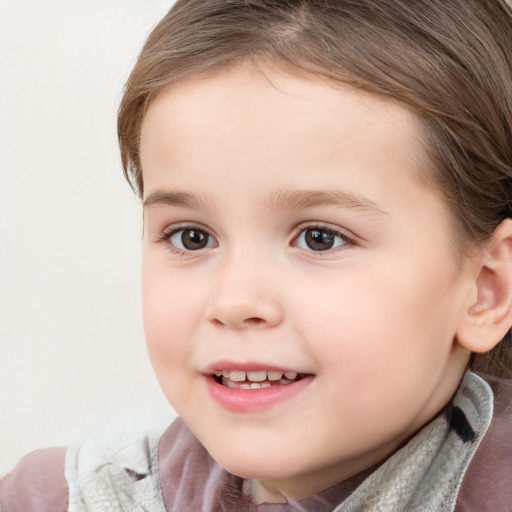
(300, 487)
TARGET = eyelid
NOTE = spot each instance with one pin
(170, 229)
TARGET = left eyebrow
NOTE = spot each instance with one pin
(287, 199)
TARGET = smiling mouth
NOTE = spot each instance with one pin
(238, 379)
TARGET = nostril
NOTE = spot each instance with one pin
(239, 313)
(254, 321)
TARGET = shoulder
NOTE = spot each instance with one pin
(487, 484)
(37, 484)
(113, 470)
(116, 471)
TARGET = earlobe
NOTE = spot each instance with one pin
(489, 316)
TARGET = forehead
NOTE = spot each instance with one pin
(271, 111)
(265, 131)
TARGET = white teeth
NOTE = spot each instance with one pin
(246, 385)
(257, 376)
(237, 376)
(259, 385)
(254, 379)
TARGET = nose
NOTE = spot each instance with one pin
(244, 296)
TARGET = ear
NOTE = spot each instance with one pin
(489, 316)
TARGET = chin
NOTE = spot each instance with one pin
(258, 465)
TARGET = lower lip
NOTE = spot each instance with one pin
(248, 400)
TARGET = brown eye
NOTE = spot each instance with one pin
(191, 239)
(320, 239)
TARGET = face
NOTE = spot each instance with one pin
(301, 297)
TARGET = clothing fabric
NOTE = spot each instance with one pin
(36, 484)
(461, 461)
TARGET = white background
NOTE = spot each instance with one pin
(72, 351)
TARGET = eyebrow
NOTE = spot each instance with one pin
(172, 198)
(302, 199)
(285, 199)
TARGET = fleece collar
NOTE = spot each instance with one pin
(426, 474)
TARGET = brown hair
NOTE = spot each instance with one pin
(449, 61)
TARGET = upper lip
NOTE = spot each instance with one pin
(247, 367)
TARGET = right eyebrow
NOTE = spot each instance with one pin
(173, 198)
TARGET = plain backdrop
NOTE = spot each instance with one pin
(72, 349)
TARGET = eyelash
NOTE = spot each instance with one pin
(326, 231)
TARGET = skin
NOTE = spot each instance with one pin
(374, 319)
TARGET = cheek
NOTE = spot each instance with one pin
(169, 314)
(391, 318)
(169, 320)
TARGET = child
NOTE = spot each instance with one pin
(327, 191)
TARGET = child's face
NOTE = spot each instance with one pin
(285, 231)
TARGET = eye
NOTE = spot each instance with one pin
(320, 239)
(191, 239)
